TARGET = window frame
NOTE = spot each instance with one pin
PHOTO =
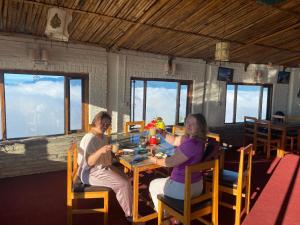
(262, 86)
(67, 77)
(189, 84)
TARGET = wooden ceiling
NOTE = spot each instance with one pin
(258, 33)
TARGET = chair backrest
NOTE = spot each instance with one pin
(278, 118)
(134, 123)
(214, 136)
(245, 170)
(188, 201)
(263, 129)
(249, 125)
(72, 167)
(178, 130)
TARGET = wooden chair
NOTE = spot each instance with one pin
(134, 123)
(250, 130)
(178, 130)
(264, 136)
(214, 136)
(193, 208)
(292, 136)
(76, 190)
(237, 183)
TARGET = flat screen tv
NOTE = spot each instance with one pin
(283, 77)
(225, 74)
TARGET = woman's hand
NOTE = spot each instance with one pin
(107, 148)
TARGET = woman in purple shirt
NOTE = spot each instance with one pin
(190, 150)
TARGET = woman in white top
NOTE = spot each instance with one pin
(95, 163)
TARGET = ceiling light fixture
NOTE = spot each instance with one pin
(222, 51)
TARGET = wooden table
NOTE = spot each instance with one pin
(284, 128)
(137, 168)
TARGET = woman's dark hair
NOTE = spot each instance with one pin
(100, 116)
(201, 122)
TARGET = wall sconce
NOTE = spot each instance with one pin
(222, 51)
(170, 67)
(39, 56)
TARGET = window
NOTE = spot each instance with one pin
(39, 105)
(168, 99)
(247, 100)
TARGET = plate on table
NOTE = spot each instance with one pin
(128, 150)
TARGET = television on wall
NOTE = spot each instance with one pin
(283, 77)
(225, 74)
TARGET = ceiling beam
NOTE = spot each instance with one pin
(148, 14)
(256, 40)
(286, 61)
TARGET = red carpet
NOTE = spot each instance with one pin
(279, 203)
(41, 199)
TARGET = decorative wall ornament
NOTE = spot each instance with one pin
(57, 24)
(222, 51)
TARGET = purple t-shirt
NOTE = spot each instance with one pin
(193, 149)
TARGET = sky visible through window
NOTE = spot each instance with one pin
(161, 100)
(35, 104)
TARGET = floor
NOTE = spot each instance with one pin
(40, 199)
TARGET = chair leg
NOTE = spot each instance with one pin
(160, 213)
(105, 202)
(69, 211)
(238, 206)
(247, 197)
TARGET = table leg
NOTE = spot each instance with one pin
(298, 142)
(283, 140)
(135, 207)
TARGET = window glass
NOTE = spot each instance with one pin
(247, 101)
(34, 105)
(75, 104)
(137, 100)
(264, 103)
(161, 101)
(183, 103)
(229, 104)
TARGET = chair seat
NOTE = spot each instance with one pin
(78, 187)
(228, 178)
(178, 205)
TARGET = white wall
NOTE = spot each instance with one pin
(68, 58)
(110, 75)
(126, 64)
(283, 99)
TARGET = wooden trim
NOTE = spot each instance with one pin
(67, 105)
(145, 100)
(85, 104)
(177, 103)
(3, 108)
(67, 77)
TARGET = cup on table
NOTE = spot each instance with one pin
(152, 131)
(115, 148)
